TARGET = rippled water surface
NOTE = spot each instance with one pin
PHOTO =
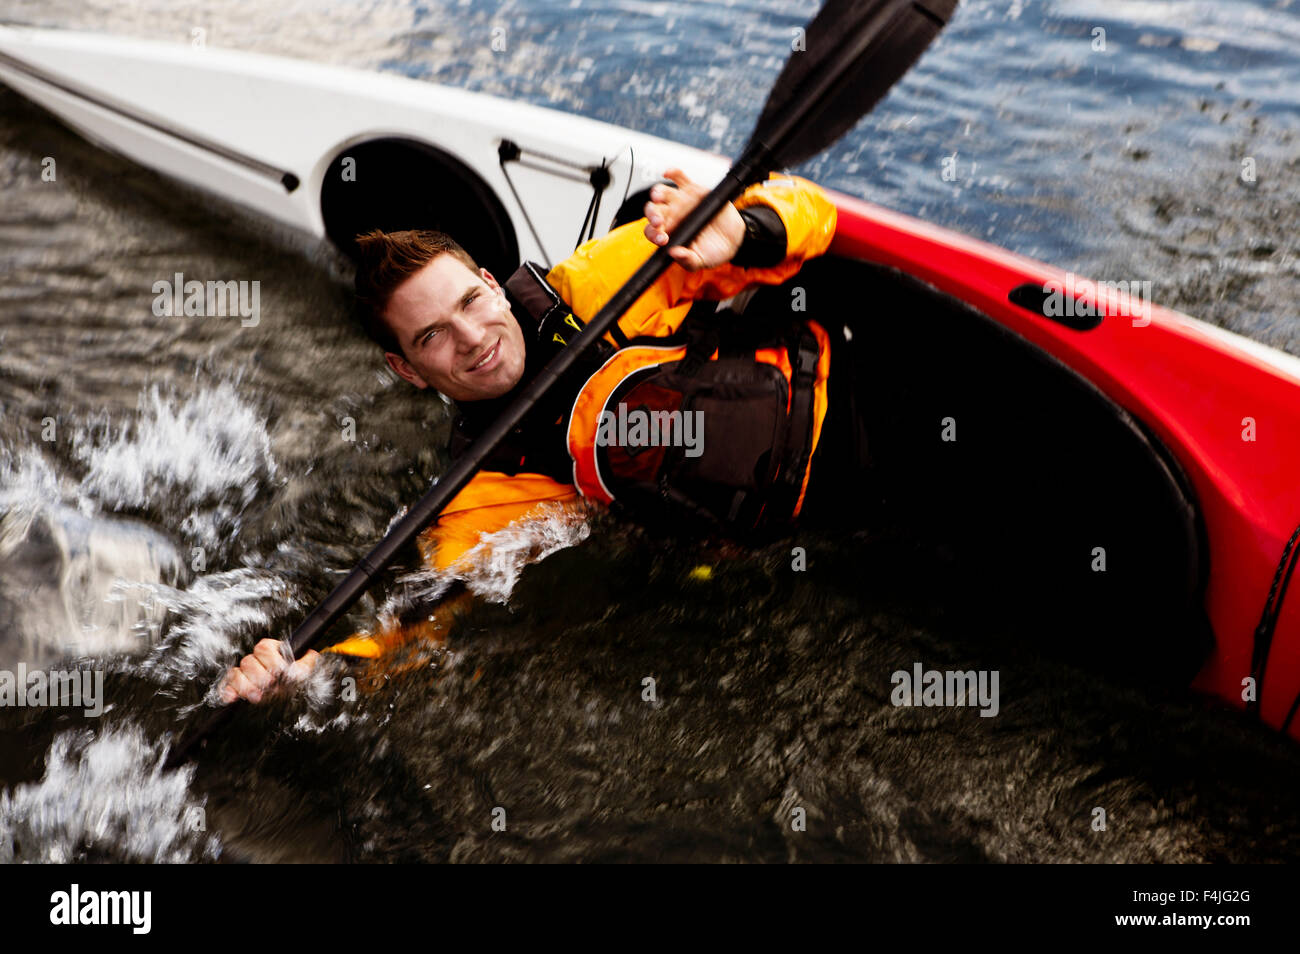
(171, 491)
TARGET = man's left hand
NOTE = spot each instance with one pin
(714, 246)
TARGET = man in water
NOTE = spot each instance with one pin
(445, 323)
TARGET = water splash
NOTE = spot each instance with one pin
(28, 484)
(65, 577)
(214, 613)
(105, 797)
(73, 580)
(491, 568)
(208, 453)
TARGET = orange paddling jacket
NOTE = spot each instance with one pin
(649, 339)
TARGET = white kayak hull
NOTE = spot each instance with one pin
(263, 131)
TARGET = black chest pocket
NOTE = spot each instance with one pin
(696, 443)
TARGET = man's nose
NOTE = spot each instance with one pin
(470, 334)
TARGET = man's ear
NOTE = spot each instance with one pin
(404, 370)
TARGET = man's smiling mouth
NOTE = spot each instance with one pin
(487, 359)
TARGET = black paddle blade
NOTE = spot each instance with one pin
(852, 53)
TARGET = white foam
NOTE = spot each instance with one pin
(492, 567)
(208, 451)
(66, 579)
(28, 485)
(214, 613)
(105, 796)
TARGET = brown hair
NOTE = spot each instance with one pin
(384, 261)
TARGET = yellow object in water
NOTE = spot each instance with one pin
(702, 572)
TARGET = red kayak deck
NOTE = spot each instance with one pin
(1227, 408)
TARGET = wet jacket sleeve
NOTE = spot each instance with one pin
(489, 502)
(591, 276)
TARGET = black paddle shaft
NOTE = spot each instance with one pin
(852, 53)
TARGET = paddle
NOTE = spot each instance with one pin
(851, 53)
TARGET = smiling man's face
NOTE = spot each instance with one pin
(456, 331)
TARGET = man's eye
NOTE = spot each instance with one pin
(430, 336)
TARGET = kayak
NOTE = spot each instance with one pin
(1114, 475)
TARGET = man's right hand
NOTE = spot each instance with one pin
(668, 207)
(266, 671)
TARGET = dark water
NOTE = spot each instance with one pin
(196, 492)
